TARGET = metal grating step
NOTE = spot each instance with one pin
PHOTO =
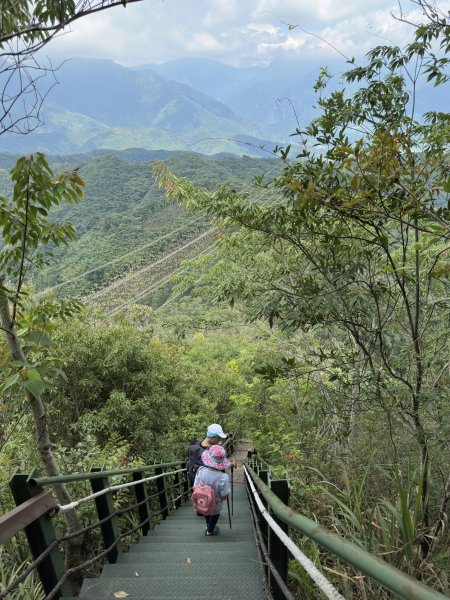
(193, 518)
(192, 525)
(167, 570)
(225, 537)
(184, 527)
(206, 557)
(248, 546)
(176, 587)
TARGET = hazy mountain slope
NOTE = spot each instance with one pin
(211, 77)
(100, 104)
(276, 92)
(279, 94)
(121, 97)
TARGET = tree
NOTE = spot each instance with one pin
(26, 27)
(356, 248)
(27, 234)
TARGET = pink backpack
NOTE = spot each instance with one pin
(204, 497)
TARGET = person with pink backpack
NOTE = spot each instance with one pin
(211, 487)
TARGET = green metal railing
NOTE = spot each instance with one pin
(389, 577)
(36, 511)
(165, 489)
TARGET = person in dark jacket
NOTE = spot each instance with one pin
(214, 435)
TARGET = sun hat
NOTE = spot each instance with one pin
(215, 430)
(215, 456)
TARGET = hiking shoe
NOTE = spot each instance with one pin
(215, 532)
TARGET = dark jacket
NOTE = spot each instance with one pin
(194, 459)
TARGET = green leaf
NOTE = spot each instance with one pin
(63, 375)
(36, 387)
(10, 381)
(38, 337)
(33, 375)
(17, 363)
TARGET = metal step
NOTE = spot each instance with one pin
(168, 570)
(184, 526)
(225, 536)
(191, 532)
(193, 547)
(238, 511)
(176, 587)
(200, 522)
(209, 556)
(240, 502)
(192, 516)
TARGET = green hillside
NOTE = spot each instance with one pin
(124, 223)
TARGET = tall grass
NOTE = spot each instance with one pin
(14, 560)
(389, 527)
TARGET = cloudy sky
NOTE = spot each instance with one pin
(236, 32)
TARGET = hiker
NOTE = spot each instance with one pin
(191, 443)
(214, 435)
(213, 474)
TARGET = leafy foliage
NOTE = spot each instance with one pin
(27, 232)
(351, 262)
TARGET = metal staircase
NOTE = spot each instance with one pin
(177, 560)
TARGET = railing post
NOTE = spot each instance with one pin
(177, 484)
(264, 475)
(278, 552)
(40, 534)
(185, 480)
(140, 491)
(104, 505)
(162, 493)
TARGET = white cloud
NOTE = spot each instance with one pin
(238, 32)
(263, 28)
(289, 44)
(201, 43)
(297, 12)
(221, 12)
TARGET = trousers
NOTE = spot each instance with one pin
(211, 522)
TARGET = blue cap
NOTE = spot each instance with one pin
(215, 430)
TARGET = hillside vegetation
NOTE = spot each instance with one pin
(125, 225)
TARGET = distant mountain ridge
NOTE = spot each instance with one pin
(121, 97)
(100, 104)
(191, 104)
(279, 96)
(273, 96)
(211, 77)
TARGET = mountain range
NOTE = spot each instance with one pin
(190, 104)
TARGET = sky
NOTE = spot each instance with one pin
(236, 32)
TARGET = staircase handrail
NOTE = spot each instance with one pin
(44, 481)
(374, 567)
(36, 508)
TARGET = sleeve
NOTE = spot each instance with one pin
(223, 487)
(197, 477)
